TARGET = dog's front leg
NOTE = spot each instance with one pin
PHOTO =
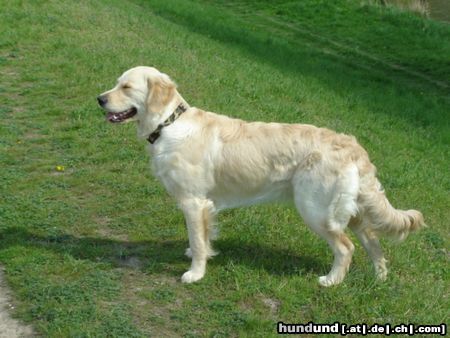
(193, 210)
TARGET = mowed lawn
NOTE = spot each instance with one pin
(93, 246)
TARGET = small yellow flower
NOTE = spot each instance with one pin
(60, 168)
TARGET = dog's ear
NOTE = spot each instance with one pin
(161, 92)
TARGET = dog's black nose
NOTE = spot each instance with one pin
(102, 100)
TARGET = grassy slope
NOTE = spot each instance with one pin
(404, 40)
(98, 249)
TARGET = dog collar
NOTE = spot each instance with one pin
(157, 132)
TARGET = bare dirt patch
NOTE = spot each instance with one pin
(10, 327)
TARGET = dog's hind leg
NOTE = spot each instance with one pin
(316, 217)
(326, 205)
(342, 248)
(194, 213)
(371, 244)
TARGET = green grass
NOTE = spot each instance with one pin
(97, 250)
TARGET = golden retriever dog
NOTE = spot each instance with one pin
(209, 162)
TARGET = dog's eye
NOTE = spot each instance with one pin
(126, 86)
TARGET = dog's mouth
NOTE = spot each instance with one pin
(121, 116)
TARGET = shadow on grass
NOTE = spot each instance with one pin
(160, 256)
(340, 70)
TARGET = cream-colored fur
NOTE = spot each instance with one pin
(209, 162)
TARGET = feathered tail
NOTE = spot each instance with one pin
(383, 217)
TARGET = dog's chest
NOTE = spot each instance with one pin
(182, 170)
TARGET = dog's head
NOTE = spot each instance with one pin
(141, 94)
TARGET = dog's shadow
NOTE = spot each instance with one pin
(166, 256)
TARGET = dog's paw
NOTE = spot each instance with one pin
(191, 276)
(327, 281)
(188, 252)
(381, 273)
